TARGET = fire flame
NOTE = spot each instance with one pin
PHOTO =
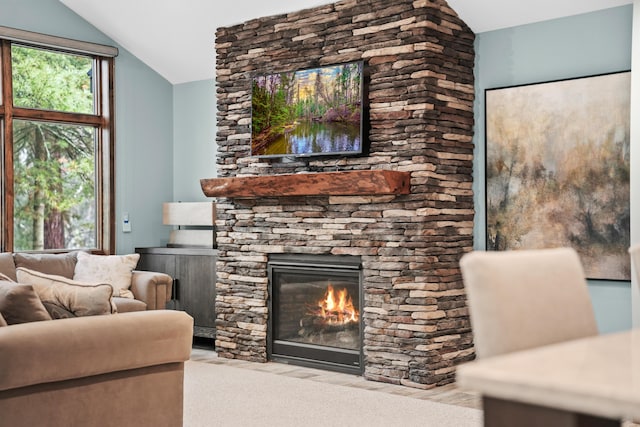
(336, 307)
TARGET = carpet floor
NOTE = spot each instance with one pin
(221, 395)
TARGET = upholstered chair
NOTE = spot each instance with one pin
(527, 298)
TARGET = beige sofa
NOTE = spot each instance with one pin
(151, 290)
(113, 370)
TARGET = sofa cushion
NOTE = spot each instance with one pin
(77, 349)
(126, 305)
(2, 321)
(7, 265)
(19, 303)
(82, 299)
(58, 264)
(7, 278)
(113, 269)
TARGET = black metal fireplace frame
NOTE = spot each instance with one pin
(310, 355)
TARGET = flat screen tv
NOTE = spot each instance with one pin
(312, 112)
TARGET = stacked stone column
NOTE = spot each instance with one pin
(419, 58)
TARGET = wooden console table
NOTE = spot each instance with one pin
(348, 183)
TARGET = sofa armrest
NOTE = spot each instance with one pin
(58, 350)
(152, 288)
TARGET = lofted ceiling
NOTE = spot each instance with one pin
(176, 37)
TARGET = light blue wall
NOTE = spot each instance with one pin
(144, 144)
(144, 121)
(194, 135)
(582, 45)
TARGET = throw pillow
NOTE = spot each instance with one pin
(19, 303)
(81, 299)
(7, 265)
(115, 270)
(57, 312)
(6, 278)
(58, 264)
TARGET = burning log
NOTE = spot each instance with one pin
(333, 314)
(316, 324)
(336, 308)
(316, 330)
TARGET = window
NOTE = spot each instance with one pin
(56, 115)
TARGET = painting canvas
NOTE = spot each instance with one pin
(313, 112)
(557, 170)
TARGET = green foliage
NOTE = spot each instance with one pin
(271, 105)
(280, 102)
(51, 81)
(260, 109)
(54, 164)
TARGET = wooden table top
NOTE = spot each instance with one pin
(597, 375)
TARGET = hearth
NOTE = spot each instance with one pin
(315, 311)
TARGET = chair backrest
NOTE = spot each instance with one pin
(527, 298)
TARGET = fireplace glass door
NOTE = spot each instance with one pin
(316, 313)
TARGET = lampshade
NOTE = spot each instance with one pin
(189, 213)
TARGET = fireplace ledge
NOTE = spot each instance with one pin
(345, 183)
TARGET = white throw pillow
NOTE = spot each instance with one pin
(115, 270)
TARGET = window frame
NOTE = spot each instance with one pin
(102, 120)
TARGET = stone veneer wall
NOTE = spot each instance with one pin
(420, 57)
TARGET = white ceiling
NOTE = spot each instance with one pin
(176, 38)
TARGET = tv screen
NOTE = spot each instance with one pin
(313, 112)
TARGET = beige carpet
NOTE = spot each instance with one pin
(218, 395)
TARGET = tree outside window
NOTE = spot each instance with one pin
(58, 150)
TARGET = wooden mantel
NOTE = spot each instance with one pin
(347, 183)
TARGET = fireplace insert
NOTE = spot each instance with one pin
(315, 311)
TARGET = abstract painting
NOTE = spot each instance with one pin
(557, 169)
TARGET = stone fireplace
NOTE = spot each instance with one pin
(408, 239)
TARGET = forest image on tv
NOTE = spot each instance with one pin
(310, 112)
